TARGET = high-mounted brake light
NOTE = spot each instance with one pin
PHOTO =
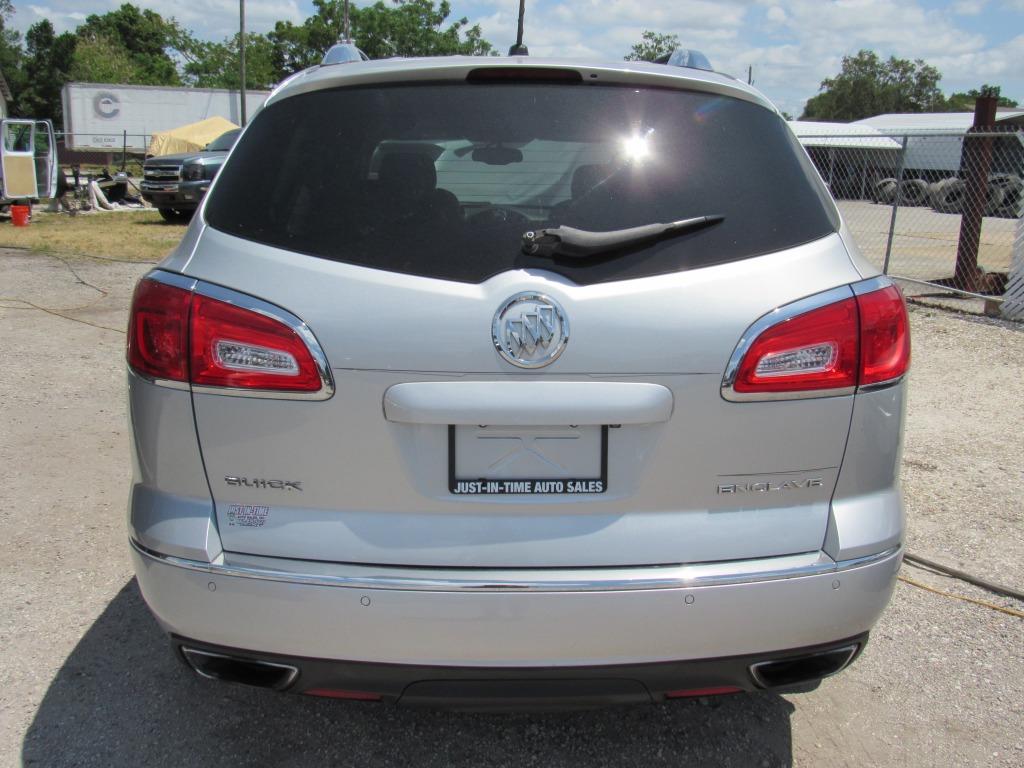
(182, 335)
(827, 345)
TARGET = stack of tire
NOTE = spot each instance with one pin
(912, 192)
(1005, 196)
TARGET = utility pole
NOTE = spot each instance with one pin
(348, 34)
(750, 75)
(241, 57)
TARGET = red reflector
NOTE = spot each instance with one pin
(158, 331)
(236, 347)
(337, 693)
(885, 335)
(815, 350)
(693, 692)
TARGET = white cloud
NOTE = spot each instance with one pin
(969, 7)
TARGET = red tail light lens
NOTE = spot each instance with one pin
(236, 347)
(855, 341)
(815, 350)
(158, 331)
(884, 336)
(184, 336)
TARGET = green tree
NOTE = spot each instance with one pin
(964, 101)
(46, 68)
(415, 28)
(10, 50)
(215, 65)
(99, 59)
(398, 28)
(144, 36)
(652, 45)
(867, 85)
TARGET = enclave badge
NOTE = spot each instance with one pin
(530, 330)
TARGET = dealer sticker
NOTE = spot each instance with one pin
(248, 515)
(537, 487)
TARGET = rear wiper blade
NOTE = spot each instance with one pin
(582, 243)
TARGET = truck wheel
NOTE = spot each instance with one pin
(174, 216)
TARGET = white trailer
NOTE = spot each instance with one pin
(102, 116)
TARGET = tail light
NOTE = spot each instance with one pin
(825, 345)
(158, 331)
(884, 336)
(178, 334)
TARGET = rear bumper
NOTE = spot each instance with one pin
(382, 617)
(501, 688)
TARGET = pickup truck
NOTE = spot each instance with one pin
(175, 184)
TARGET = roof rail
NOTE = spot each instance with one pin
(686, 57)
(343, 52)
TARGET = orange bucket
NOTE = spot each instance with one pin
(19, 215)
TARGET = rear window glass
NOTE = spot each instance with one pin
(443, 180)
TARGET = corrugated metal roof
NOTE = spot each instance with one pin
(934, 121)
(814, 134)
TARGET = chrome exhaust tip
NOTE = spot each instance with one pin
(232, 669)
(778, 673)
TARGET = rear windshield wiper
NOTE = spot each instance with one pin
(582, 243)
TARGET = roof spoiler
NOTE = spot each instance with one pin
(686, 57)
(343, 52)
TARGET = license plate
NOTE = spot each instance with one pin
(527, 461)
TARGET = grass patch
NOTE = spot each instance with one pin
(127, 236)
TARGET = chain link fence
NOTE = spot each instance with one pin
(942, 211)
(111, 149)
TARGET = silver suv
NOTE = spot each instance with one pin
(502, 382)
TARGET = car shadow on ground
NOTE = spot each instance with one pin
(122, 699)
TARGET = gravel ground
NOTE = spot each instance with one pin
(86, 678)
(925, 243)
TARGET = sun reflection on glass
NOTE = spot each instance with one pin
(637, 147)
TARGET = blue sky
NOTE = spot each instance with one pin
(791, 44)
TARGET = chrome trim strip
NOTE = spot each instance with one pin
(172, 278)
(267, 309)
(538, 580)
(870, 285)
(166, 383)
(882, 384)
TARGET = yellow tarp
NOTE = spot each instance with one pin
(188, 138)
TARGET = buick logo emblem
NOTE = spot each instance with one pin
(530, 330)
